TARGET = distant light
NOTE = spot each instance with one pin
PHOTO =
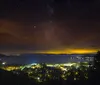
(38, 78)
(74, 78)
(3, 63)
(33, 64)
(50, 65)
(69, 64)
(34, 26)
(64, 69)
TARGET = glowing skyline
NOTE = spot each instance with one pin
(69, 51)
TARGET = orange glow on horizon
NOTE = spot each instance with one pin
(71, 51)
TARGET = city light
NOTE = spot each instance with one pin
(3, 63)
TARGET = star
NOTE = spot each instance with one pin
(34, 26)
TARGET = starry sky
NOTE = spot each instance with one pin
(43, 25)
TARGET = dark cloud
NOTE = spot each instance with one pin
(24, 24)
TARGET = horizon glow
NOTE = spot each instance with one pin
(69, 51)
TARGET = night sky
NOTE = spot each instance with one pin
(49, 25)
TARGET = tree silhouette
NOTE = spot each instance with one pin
(0, 63)
(94, 73)
(97, 61)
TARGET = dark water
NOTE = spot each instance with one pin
(46, 58)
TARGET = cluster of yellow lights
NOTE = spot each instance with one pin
(10, 68)
(70, 51)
